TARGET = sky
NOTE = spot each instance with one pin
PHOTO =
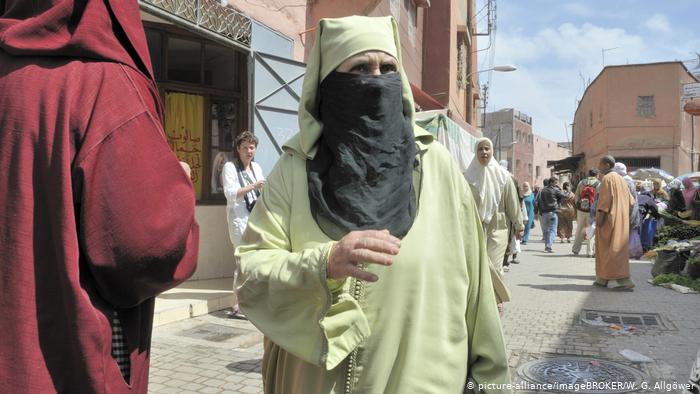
(556, 46)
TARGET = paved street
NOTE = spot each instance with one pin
(215, 354)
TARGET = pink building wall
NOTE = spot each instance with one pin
(434, 41)
(522, 162)
(445, 20)
(411, 45)
(607, 121)
(545, 150)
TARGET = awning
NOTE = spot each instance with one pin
(458, 141)
(568, 164)
(424, 100)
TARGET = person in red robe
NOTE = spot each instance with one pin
(96, 213)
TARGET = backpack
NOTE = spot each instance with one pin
(586, 197)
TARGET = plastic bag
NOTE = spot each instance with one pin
(515, 246)
(635, 246)
(590, 231)
(669, 262)
(648, 233)
(635, 357)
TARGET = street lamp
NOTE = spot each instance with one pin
(501, 69)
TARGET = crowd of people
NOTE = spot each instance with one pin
(616, 216)
(368, 260)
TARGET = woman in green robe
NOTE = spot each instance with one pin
(364, 262)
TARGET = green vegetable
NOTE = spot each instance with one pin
(679, 280)
(679, 232)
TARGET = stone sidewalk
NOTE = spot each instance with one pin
(550, 293)
(215, 354)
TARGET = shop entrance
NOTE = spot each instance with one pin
(202, 85)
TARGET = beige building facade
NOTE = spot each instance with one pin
(510, 131)
(527, 153)
(634, 112)
(544, 151)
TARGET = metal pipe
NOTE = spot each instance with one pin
(692, 143)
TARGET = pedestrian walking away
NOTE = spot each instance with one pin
(613, 207)
(584, 196)
(635, 223)
(529, 202)
(566, 214)
(98, 215)
(352, 286)
(548, 202)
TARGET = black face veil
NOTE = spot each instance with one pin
(361, 176)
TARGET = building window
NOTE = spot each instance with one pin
(201, 86)
(184, 60)
(645, 106)
(155, 49)
(462, 60)
(634, 163)
(590, 119)
(529, 168)
(537, 171)
(517, 164)
(517, 136)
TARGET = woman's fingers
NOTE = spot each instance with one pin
(362, 247)
(370, 257)
(377, 245)
(382, 235)
(358, 273)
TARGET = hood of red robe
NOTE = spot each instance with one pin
(106, 30)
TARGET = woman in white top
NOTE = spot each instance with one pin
(243, 180)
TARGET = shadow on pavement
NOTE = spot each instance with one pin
(564, 287)
(585, 277)
(252, 365)
(542, 254)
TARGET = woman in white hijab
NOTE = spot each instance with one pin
(499, 208)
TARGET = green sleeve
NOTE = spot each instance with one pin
(285, 292)
(487, 350)
(512, 206)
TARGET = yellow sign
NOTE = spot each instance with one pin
(184, 128)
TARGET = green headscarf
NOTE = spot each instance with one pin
(337, 40)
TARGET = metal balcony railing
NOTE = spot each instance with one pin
(207, 17)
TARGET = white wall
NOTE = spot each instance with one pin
(215, 249)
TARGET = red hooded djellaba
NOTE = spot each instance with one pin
(96, 214)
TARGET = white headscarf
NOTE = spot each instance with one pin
(620, 168)
(527, 188)
(488, 180)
